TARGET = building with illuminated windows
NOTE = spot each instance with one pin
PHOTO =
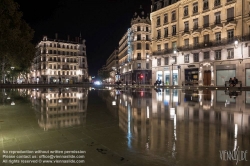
(134, 50)
(110, 69)
(59, 61)
(200, 42)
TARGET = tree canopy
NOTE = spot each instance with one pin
(16, 48)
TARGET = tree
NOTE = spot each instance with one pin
(16, 48)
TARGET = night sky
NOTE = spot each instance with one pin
(102, 23)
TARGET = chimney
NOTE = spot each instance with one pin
(68, 38)
(56, 35)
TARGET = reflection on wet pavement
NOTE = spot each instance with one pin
(127, 126)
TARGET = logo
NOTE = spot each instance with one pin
(234, 155)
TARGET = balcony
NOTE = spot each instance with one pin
(186, 30)
(163, 52)
(217, 22)
(195, 28)
(205, 25)
(214, 43)
(230, 19)
(230, 57)
(195, 12)
(65, 68)
(217, 57)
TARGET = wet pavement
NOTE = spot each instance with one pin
(125, 126)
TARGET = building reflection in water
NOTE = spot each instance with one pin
(59, 107)
(184, 124)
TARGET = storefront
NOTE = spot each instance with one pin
(224, 73)
(165, 76)
(191, 75)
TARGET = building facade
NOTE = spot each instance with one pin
(200, 42)
(59, 61)
(134, 50)
(112, 66)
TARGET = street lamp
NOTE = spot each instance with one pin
(12, 68)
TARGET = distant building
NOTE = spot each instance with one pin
(111, 66)
(59, 61)
(200, 42)
(134, 51)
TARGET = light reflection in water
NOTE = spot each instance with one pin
(59, 107)
(196, 117)
(188, 126)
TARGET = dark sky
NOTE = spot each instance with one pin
(102, 23)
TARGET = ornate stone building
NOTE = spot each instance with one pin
(134, 50)
(200, 42)
(60, 61)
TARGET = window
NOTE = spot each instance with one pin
(230, 35)
(173, 30)
(166, 32)
(217, 18)
(186, 58)
(218, 37)
(196, 23)
(186, 26)
(166, 60)
(147, 65)
(138, 46)
(166, 3)
(195, 8)
(159, 47)
(174, 59)
(196, 57)
(174, 45)
(186, 43)
(218, 55)
(205, 21)
(138, 37)
(230, 14)
(138, 56)
(158, 34)
(196, 41)
(165, 18)
(147, 38)
(158, 21)
(146, 29)
(173, 16)
(216, 2)
(206, 39)
(158, 5)
(206, 55)
(230, 53)
(138, 28)
(138, 65)
(147, 46)
(159, 62)
(205, 4)
(166, 46)
(185, 11)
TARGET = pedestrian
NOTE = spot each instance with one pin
(230, 82)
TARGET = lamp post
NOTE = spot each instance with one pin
(12, 68)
